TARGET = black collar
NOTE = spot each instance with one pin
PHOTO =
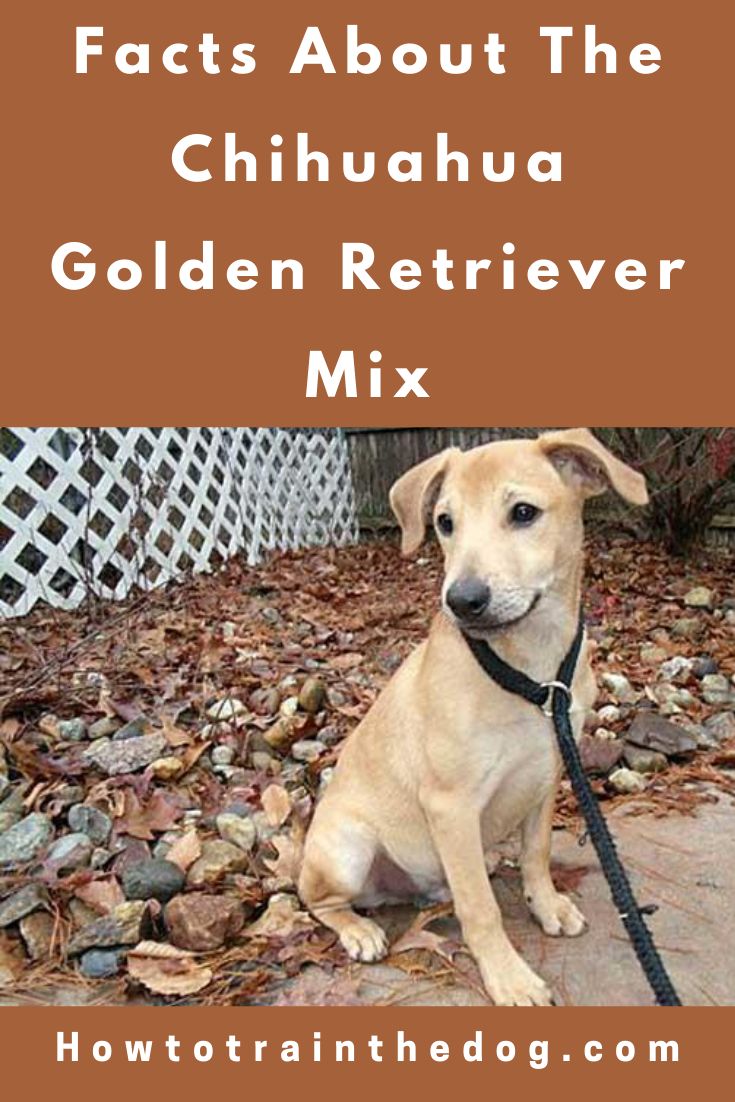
(544, 694)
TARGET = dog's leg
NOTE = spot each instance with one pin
(337, 862)
(457, 836)
(556, 913)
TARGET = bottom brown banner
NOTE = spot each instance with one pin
(115, 1052)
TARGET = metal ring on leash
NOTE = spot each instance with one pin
(548, 705)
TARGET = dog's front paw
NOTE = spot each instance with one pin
(558, 916)
(516, 985)
(364, 939)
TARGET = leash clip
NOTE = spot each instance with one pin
(548, 705)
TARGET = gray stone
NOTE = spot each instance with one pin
(241, 832)
(71, 851)
(644, 761)
(626, 781)
(98, 964)
(653, 732)
(155, 879)
(703, 665)
(127, 756)
(218, 858)
(103, 728)
(22, 842)
(675, 669)
(136, 728)
(72, 730)
(222, 755)
(90, 821)
(721, 726)
(37, 931)
(100, 857)
(4, 785)
(307, 750)
(717, 689)
(609, 713)
(122, 926)
(700, 597)
(686, 627)
(619, 687)
(22, 903)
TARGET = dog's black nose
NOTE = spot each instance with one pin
(468, 598)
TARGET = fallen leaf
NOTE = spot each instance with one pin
(101, 895)
(186, 850)
(281, 917)
(276, 804)
(166, 970)
(175, 736)
(288, 862)
(143, 820)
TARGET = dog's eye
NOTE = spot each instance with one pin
(445, 524)
(523, 513)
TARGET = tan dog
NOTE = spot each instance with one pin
(446, 763)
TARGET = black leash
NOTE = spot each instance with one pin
(555, 698)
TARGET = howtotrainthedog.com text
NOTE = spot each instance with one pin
(393, 1048)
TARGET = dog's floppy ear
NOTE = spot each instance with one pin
(411, 497)
(586, 464)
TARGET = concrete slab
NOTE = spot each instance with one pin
(685, 864)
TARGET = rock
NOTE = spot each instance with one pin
(264, 763)
(123, 926)
(619, 687)
(68, 794)
(675, 669)
(103, 728)
(99, 964)
(703, 665)
(700, 597)
(312, 695)
(217, 860)
(240, 832)
(222, 755)
(652, 655)
(72, 730)
(717, 689)
(281, 734)
(674, 694)
(223, 710)
(22, 842)
(71, 851)
(263, 827)
(167, 769)
(609, 713)
(644, 761)
(203, 922)
(307, 750)
(626, 781)
(22, 903)
(289, 707)
(325, 779)
(154, 879)
(604, 733)
(721, 726)
(4, 786)
(81, 914)
(37, 931)
(705, 740)
(136, 728)
(653, 732)
(686, 628)
(100, 857)
(90, 821)
(126, 756)
(10, 967)
(599, 755)
(132, 852)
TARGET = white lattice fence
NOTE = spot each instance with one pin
(105, 510)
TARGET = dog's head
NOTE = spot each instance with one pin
(508, 516)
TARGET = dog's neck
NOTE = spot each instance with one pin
(538, 643)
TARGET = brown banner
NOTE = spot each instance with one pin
(604, 1052)
(644, 184)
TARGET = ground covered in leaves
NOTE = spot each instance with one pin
(159, 760)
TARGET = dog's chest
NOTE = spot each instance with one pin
(520, 765)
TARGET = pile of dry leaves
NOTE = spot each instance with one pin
(159, 760)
